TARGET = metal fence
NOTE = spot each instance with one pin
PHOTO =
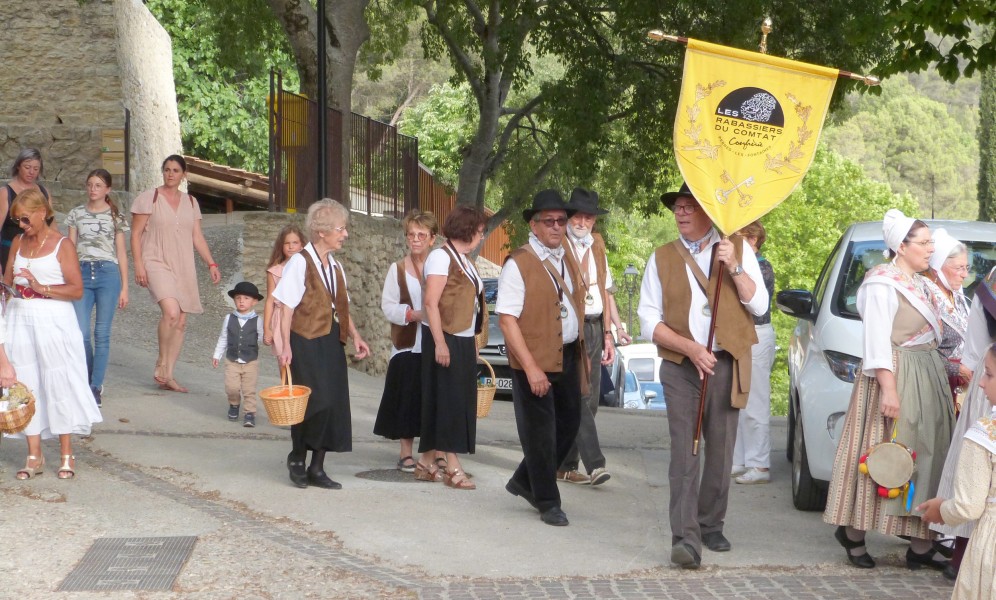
(383, 170)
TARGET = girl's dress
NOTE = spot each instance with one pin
(975, 498)
(45, 346)
(277, 271)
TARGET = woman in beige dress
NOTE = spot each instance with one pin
(165, 231)
(902, 387)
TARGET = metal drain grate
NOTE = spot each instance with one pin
(130, 564)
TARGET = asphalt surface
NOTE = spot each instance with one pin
(168, 464)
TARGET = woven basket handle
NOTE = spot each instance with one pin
(286, 379)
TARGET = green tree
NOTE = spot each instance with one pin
(987, 145)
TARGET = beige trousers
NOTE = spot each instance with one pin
(240, 383)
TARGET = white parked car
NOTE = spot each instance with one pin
(825, 352)
(644, 363)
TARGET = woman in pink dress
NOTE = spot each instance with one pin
(289, 242)
(165, 231)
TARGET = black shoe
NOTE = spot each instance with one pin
(554, 516)
(943, 549)
(916, 561)
(515, 488)
(685, 556)
(250, 420)
(716, 541)
(233, 412)
(863, 561)
(298, 475)
(320, 479)
(96, 395)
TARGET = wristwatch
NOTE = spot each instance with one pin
(737, 271)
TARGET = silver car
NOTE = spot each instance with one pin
(825, 351)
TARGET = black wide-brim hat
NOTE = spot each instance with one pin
(245, 288)
(547, 200)
(586, 202)
(671, 197)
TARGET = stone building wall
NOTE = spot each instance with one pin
(69, 71)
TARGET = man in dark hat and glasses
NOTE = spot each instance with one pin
(538, 306)
(675, 312)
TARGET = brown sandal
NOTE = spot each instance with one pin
(463, 484)
(422, 473)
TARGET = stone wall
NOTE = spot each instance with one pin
(374, 243)
(70, 72)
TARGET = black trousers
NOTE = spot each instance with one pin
(547, 427)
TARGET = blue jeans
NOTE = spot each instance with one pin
(101, 286)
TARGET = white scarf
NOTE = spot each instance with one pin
(542, 251)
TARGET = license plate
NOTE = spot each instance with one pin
(501, 383)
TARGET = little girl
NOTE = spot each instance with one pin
(289, 242)
(975, 498)
(98, 230)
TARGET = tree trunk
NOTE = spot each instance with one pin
(346, 30)
(987, 145)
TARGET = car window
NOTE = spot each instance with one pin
(643, 368)
(630, 382)
(865, 255)
(490, 291)
(824, 278)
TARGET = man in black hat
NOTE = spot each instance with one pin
(241, 335)
(538, 306)
(588, 251)
(675, 311)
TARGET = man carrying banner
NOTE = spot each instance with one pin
(675, 312)
(588, 251)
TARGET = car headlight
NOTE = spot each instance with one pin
(844, 366)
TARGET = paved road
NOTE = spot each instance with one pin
(165, 464)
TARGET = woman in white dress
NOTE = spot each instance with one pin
(44, 341)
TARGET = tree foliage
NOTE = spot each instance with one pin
(987, 145)
(221, 63)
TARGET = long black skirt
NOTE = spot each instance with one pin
(449, 396)
(321, 365)
(400, 412)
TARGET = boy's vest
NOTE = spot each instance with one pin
(243, 341)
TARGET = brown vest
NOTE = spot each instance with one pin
(598, 255)
(734, 324)
(456, 303)
(403, 336)
(540, 318)
(314, 315)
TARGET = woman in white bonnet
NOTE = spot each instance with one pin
(948, 271)
(902, 386)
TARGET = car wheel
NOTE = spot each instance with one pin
(807, 494)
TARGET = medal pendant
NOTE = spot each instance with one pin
(706, 310)
(335, 316)
(563, 311)
(589, 300)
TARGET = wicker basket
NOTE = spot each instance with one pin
(485, 393)
(286, 403)
(481, 339)
(14, 421)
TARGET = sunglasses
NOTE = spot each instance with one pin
(23, 220)
(550, 222)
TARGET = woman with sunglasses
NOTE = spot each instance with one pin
(165, 231)
(400, 414)
(43, 339)
(24, 174)
(454, 311)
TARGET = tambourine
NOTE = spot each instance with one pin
(890, 465)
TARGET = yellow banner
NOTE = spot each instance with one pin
(747, 128)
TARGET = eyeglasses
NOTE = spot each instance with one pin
(685, 209)
(419, 236)
(963, 269)
(339, 229)
(924, 243)
(550, 222)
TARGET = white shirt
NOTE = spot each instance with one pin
(512, 292)
(222, 345)
(595, 308)
(438, 263)
(290, 289)
(877, 304)
(651, 309)
(390, 304)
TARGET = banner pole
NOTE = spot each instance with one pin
(714, 313)
(657, 35)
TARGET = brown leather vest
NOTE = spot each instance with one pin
(598, 255)
(314, 315)
(456, 303)
(735, 331)
(403, 336)
(540, 318)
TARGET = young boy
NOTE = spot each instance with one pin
(241, 334)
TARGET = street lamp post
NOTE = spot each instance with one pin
(630, 276)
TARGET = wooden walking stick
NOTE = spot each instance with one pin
(713, 314)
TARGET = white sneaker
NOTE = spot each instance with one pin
(738, 470)
(754, 475)
(600, 476)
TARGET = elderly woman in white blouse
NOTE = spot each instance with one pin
(948, 270)
(400, 414)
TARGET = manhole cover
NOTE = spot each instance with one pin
(389, 476)
(130, 564)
